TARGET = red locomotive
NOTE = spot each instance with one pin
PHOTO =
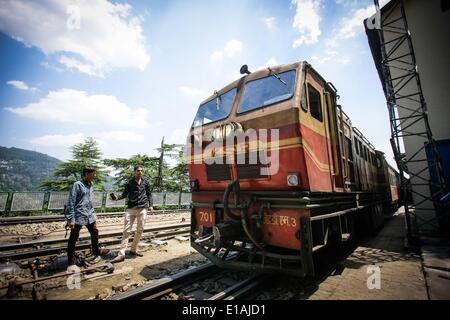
(277, 172)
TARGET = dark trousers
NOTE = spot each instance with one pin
(75, 233)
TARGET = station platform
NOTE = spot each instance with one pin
(381, 268)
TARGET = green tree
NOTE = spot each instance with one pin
(168, 178)
(175, 178)
(86, 154)
(125, 168)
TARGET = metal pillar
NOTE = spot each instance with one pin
(410, 129)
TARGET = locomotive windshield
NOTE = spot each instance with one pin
(215, 109)
(262, 92)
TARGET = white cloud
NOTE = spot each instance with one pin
(20, 85)
(103, 138)
(216, 56)
(347, 2)
(269, 63)
(121, 136)
(58, 140)
(320, 60)
(330, 56)
(108, 37)
(178, 135)
(306, 21)
(351, 26)
(353, 3)
(192, 92)
(71, 63)
(73, 106)
(231, 49)
(343, 60)
(269, 23)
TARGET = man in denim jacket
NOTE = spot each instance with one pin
(80, 212)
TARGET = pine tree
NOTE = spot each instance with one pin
(176, 177)
(161, 175)
(125, 168)
(86, 154)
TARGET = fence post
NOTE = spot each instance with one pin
(179, 200)
(104, 195)
(9, 203)
(46, 201)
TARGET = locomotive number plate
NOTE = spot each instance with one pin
(280, 220)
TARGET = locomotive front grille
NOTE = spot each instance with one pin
(218, 172)
(249, 170)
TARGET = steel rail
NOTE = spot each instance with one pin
(37, 243)
(168, 284)
(85, 243)
(56, 218)
(239, 289)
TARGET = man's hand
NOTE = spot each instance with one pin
(150, 209)
(71, 224)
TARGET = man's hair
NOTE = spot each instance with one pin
(88, 170)
(138, 166)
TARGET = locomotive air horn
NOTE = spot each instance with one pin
(244, 69)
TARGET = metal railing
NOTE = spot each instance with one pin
(53, 201)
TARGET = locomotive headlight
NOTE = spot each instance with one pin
(193, 184)
(292, 179)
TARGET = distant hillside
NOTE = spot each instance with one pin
(23, 170)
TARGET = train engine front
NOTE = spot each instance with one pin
(248, 162)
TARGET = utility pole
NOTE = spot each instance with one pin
(161, 159)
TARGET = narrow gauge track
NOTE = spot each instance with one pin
(18, 251)
(187, 282)
(57, 218)
(184, 283)
(105, 226)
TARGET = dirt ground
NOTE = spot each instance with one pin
(159, 260)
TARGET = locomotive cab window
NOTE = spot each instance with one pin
(266, 91)
(303, 101)
(378, 160)
(215, 109)
(315, 104)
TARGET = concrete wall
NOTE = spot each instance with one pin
(430, 33)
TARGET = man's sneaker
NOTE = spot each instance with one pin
(119, 258)
(136, 254)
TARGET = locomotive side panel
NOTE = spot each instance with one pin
(316, 140)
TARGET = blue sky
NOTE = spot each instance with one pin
(129, 72)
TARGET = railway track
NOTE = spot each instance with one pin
(60, 218)
(187, 285)
(18, 251)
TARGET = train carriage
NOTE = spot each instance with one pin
(277, 172)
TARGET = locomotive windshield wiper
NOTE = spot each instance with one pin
(276, 76)
(218, 100)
